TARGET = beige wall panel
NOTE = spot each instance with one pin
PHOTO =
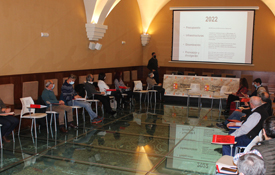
(30, 89)
(109, 78)
(126, 76)
(7, 93)
(82, 79)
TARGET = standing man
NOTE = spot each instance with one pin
(153, 66)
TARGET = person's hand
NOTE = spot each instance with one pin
(153, 70)
(245, 95)
(77, 96)
(61, 102)
(7, 110)
(243, 117)
(239, 110)
(102, 93)
(246, 104)
(231, 124)
(159, 84)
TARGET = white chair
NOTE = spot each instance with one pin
(53, 114)
(220, 97)
(227, 161)
(139, 89)
(152, 91)
(76, 112)
(94, 101)
(247, 148)
(194, 90)
(26, 102)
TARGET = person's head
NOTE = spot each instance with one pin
(49, 85)
(71, 79)
(251, 164)
(269, 128)
(255, 101)
(243, 83)
(90, 78)
(101, 76)
(151, 75)
(154, 54)
(118, 76)
(264, 96)
(257, 82)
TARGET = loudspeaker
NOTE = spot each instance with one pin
(98, 46)
(92, 46)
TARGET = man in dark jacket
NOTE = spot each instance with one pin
(267, 147)
(8, 121)
(153, 66)
(90, 89)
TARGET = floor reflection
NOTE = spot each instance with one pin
(145, 139)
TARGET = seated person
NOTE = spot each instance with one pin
(258, 88)
(240, 114)
(251, 164)
(236, 96)
(266, 148)
(68, 94)
(152, 84)
(90, 89)
(59, 106)
(8, 122)
(119, 83)
(103, 87)
(250, 128)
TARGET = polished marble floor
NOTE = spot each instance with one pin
(146, 139)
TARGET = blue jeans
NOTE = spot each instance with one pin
(242, 141)
(236, 115)
(86, 105)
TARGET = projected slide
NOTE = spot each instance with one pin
(213, 36)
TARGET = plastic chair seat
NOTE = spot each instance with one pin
(36, 115)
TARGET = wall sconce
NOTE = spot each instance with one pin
(94, 46)
(145, 39)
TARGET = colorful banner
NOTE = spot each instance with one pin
(181, 85)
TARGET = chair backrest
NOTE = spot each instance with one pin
(82, 79)
(7, 93)
(26, 102)
(195, 87)
(223, 90)
(138, 85)
(134, 75)
(126, 76)
(30, 89)
(109, 78)
(251, 144)
(95, 77)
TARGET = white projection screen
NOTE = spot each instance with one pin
(213, 35)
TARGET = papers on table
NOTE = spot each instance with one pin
(227, 93)
(6, 114)
(80, 99)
